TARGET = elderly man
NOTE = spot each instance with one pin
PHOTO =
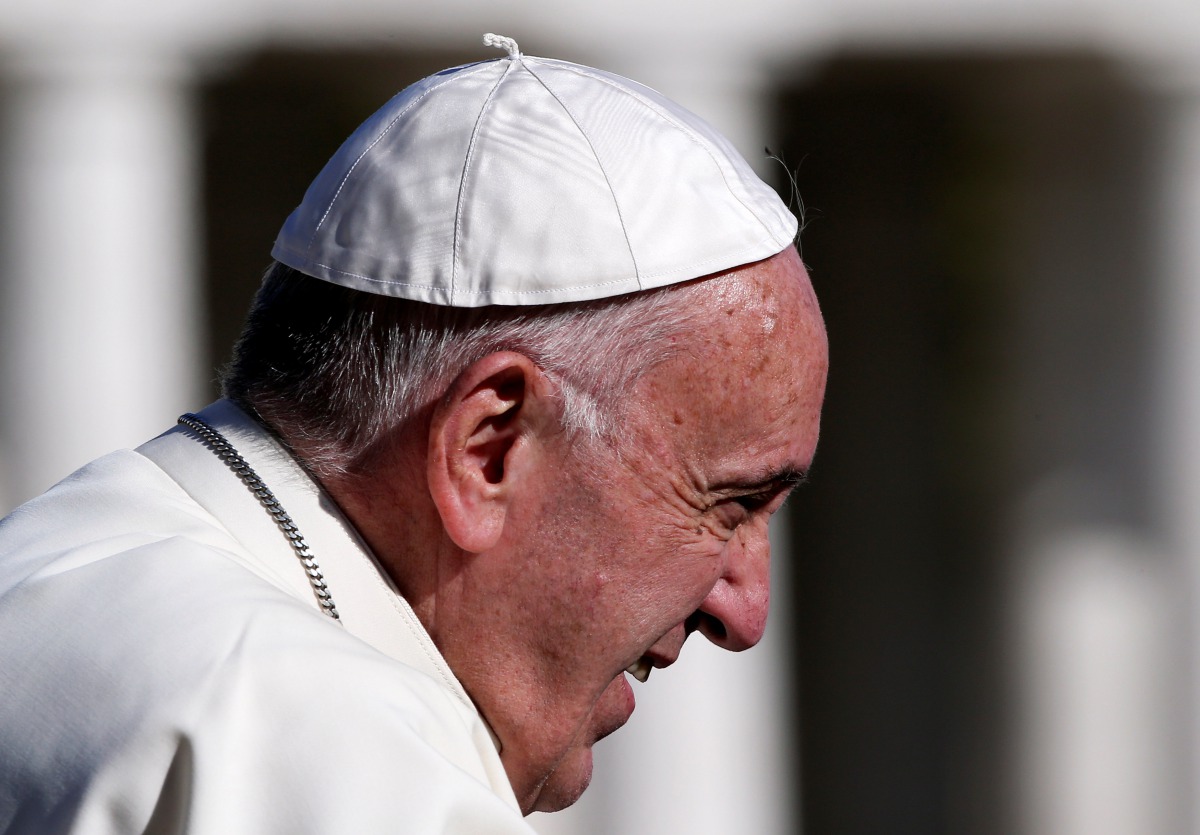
(535, 365)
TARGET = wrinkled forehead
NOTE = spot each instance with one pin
(752, 374)
(768, 308)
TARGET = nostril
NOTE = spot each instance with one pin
(707, 625)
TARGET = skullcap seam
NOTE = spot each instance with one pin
(395, 283)
(386, 130)
(657, 109)
(462, 181)
(599, 164)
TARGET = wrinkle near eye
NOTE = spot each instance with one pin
(725, 516)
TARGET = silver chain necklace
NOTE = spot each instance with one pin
(224, 450)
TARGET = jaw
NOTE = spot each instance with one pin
(547, 775)
(562, 784)
(566, 784)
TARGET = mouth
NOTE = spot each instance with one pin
(662, 653)
(640, 669)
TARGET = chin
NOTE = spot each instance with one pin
(573, 772)
(567, 782)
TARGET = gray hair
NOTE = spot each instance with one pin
(335, 370)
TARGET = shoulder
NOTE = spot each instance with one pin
(116, 503)
(149, 677)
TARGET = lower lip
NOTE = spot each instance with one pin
(628, 699)
(623, 703)
(624, 679)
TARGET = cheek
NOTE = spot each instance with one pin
(634, 568)
(673, 581)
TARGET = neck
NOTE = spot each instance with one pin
(391, 509)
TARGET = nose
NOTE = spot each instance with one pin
(734, 614)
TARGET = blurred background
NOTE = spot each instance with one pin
(986, 600)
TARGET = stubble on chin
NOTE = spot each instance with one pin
(570, 776)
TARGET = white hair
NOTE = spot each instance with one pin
(334, 371)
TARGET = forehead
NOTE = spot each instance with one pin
(744, 389)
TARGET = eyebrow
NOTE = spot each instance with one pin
(791, 477)
(784, 477)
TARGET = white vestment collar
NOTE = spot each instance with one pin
(370, 606)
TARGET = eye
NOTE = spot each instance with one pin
(737, 510)
(755, 501)
(759, 502)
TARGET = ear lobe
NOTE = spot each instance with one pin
(474, 436)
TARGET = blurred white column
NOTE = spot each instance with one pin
(98, 312)
(1094, 721)
(1179, 456)
(1104, 652)
(708, 749)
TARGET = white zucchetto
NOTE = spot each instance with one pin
(530, 181)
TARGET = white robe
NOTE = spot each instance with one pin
(164, 666)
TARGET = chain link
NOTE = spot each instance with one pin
(224, 450)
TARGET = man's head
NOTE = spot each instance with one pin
(578, 563)
(562, 492)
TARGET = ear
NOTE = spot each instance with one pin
(479, 436)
